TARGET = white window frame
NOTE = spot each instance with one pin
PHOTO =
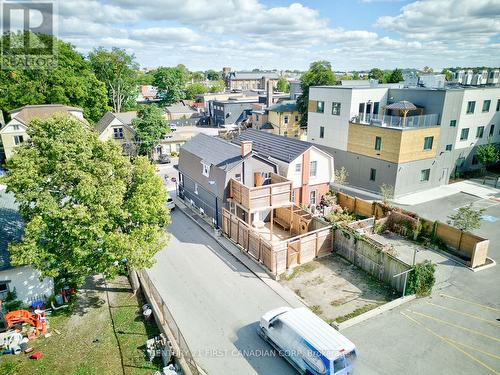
(18, 139)
(205, 169)
(285, 120)
(298, 167)
(313, 197)
(118, 133)
(315, 163)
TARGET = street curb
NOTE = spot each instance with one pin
(373, 313)
(252, 265)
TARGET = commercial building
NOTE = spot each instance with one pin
(249, 80)
(410, 138)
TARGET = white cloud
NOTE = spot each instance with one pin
(248, 33)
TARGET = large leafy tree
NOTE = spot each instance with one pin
(119, 71)
(170, 83)
(212, 75)
(282, 85)
(217, 86)
(396, 76)
(319, 73)
(487, 154)
(466, 218)
(71, 82)
(377, 74)
(195, 89)
(85, 206)
(150, 126)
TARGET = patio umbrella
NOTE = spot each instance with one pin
(403, 106)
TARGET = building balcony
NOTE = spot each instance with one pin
(272, 192)
(398, 122)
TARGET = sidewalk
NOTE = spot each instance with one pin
(234, 250)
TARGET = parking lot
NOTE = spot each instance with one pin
(454, 331)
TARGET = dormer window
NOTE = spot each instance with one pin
(118, 133)
(205, 171)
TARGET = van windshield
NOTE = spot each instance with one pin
(339, 364)
(344, 361)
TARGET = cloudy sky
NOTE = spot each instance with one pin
(281, 34)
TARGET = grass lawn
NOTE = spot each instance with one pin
(96, 337)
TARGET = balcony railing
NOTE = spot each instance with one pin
(420, 121)
(275, 192)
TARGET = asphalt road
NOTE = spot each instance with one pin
(217, 302)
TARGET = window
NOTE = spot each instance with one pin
(293, 195)
(361, 108)
(486, 105)
(498, 105)
(492, 130)
(428, 143)
(296, 118)
(196, 188)
(257, 117)
(480, 132)
(373, 174)
(118, 133)
(312, 197)
(286, 120)
(298, 167)
(4, 289)
(15, 127)
(474, 160)
(336, 108)
(425, 174)
(205, 169)
(322, 132)
(464, 134)
(376, 106)
(18, 139)
(470, 107)
(320, 108)
(453, 123)
(285, 133)
(313, 168)
(449, 147)
(378, 143)
(237, 177)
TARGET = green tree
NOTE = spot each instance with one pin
(150, 126)
(195, 89)
(145, 78)
(212, 75)
(377, 74)
(72, 82)
(466, 218)
(283, 85)
(421, 279)
(427, 70)
(319, 73)
(396, 76)
(85, 206)
(448, 74)
(170, 83)
(487, 155)
(217, 86)
(118, 70)
(356, 75)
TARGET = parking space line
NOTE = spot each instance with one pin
(466, 314)
(472, 348)
(470, 302)
(456, 326)
(452, 344)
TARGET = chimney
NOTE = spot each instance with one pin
(246, 148)
(269, 93)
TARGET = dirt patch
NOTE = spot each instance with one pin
(334, 288)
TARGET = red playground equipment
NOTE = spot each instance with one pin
(36, 319)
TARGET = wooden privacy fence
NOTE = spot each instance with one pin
(471, 249)
(277, 256)
(370, 256)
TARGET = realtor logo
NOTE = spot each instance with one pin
(27, 29)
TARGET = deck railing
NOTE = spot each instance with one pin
(420, 121)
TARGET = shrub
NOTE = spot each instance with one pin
(421, 279)
(174, 154)
(340, 215)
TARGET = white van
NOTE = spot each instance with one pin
(307, 342)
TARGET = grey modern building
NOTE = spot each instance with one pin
(226, 112)
(207, 164)
(410, 138)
